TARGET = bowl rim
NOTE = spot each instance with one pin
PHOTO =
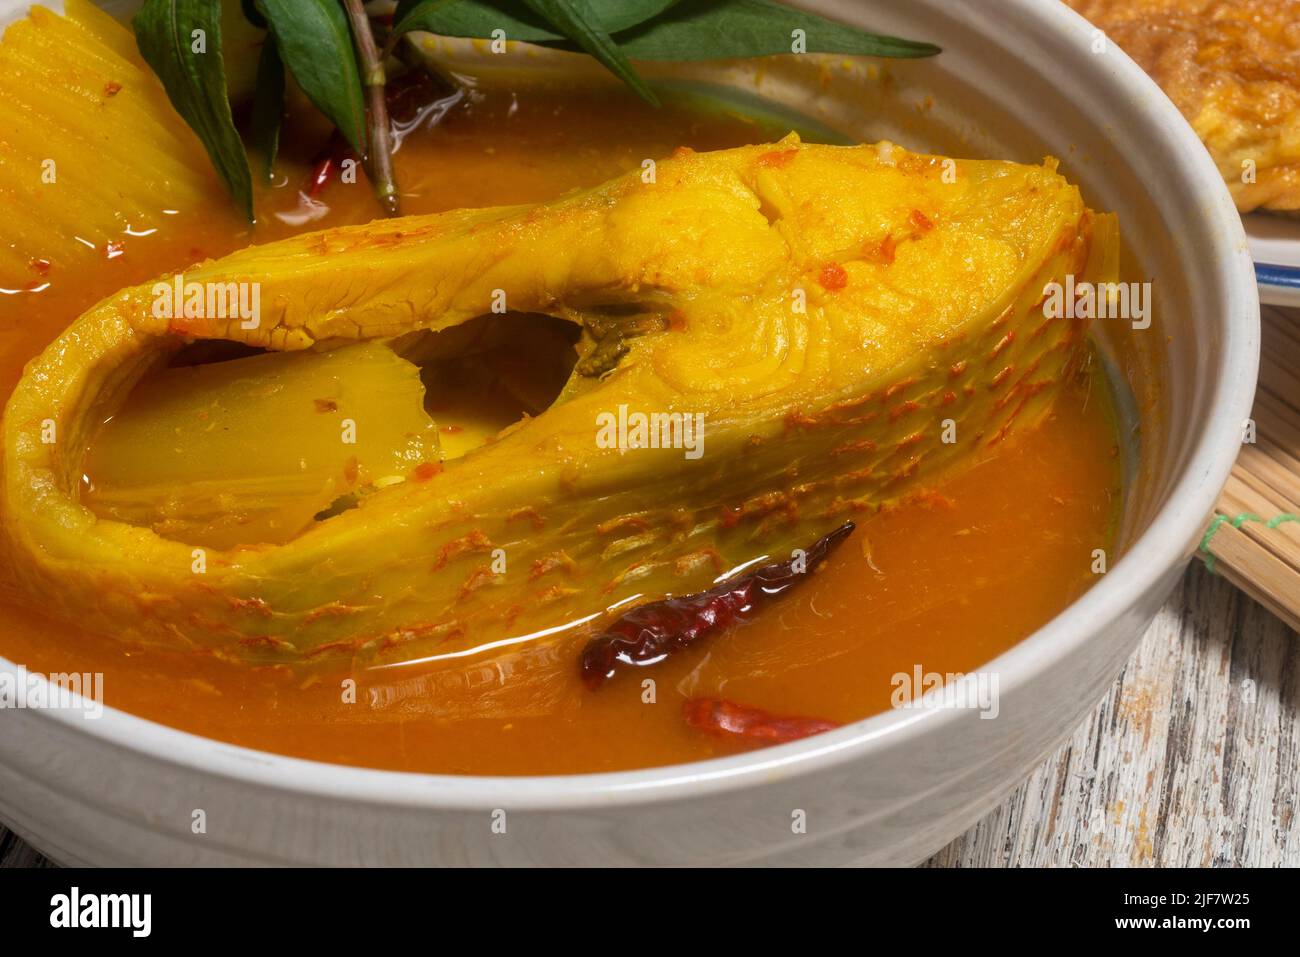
(1162, 546)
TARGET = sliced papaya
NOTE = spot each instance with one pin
(249, 450)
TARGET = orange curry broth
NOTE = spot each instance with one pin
(946, 581)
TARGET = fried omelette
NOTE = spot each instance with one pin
(1233, 68)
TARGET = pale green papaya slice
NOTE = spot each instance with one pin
(250, 450)
(830, 314)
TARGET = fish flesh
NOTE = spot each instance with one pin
(840, 325)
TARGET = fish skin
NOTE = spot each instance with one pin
(923, 303)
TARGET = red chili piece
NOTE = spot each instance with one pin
(726, 717)
(321, 174)
(833, 277)
(327, 163)
(651, 632)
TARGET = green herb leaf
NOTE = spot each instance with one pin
(575, 19)
(268, 104)
(656, 30)
(711, 30)
(316, 45)
(181, 41)
(478, 18)
(714, 29)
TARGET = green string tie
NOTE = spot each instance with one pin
(1237, 522)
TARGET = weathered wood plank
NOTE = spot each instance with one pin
(1193, 759)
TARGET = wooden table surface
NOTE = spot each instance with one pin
(1193, 758)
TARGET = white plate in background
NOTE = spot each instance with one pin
(1275, 247)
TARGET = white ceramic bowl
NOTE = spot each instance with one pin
(1017, 78)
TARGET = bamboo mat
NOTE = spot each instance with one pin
(1254, 538)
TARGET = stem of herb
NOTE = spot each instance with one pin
(379, 158)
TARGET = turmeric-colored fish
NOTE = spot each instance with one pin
(817, 329)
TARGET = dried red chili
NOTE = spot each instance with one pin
(321, 173)
(651, 632)
(408, 94)
(327, 163)
(718, 716)
(405, 96)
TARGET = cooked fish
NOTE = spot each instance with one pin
(836, 325)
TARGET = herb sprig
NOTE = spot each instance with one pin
(336, 53)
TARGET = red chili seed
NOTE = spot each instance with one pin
(833, 277)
